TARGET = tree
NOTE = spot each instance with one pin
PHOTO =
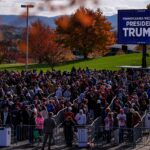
(42, 44)
(148, 6)
(38, 40)
(54, 53)
(5, 54)
(85, 31)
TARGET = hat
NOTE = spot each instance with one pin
(81, 111)
(70, 108)
(98, 101)
(132, 110)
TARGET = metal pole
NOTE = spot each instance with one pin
(144, 64)
(27, 32)
(27, 51)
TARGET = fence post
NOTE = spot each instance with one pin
(134, 138)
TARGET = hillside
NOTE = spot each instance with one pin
(19, 21)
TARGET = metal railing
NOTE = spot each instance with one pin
(95, 125)
(97, 135)
(138, 130)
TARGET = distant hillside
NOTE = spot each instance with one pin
(18, 21)
(113, 20)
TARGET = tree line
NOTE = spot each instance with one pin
(86, 30)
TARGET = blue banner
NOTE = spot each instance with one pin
(134, 26)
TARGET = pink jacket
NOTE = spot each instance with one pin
(39, 122)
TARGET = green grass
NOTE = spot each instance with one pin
(110, 62)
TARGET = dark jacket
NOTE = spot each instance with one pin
(8, 120)
(49, 125)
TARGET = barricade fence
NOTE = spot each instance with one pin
(12, 133)
(94, 137)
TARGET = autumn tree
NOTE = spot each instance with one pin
(54, 53)
(38, 40)
(42, 45)
(5, 54)
(148, 6)
(85, 31)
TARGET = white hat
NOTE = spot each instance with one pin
(81, 111)
(98, 101)
(70, 108)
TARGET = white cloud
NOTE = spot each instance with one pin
(109, 7)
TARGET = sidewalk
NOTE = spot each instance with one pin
(24, 145)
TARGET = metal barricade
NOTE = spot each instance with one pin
(139, 131)
(59, 118)
(97, 137)
(13, 132)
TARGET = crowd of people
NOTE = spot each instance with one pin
(26, 98)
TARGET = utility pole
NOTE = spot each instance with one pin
(27, 6)
(144, 63)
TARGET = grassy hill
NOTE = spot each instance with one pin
(108, 63)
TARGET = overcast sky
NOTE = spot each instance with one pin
(109, 7)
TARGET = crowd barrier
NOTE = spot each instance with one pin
(59, 118)
(140, 130)
(13, 132)
(98, 122)
(95, 138)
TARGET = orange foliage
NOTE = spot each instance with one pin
(42, 44)
(87, 31)
(1, 36)
(64, 22)
(22, 47)
(84, 17)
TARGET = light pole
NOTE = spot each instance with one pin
(27, 6)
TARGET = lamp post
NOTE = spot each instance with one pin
(27, 6)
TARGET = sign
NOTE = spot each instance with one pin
(134, 26)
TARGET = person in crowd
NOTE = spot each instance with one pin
(129, 123)
(136, 118)
(97, 110)
(50, 106)
(81, 118)
(108, 126)
(6, 117)
(32, 125)
(49, 125)
(39, 124)
(68, 125)
(69, 113)
(67, 93)
(44, 112)
(59, 93)
(122, 123)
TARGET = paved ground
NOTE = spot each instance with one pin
(24, 145)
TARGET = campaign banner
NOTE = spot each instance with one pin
(134, 26)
